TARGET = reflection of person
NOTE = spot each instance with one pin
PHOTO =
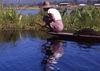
(53, 18)
(52, 52)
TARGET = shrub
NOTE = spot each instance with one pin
(83, 17)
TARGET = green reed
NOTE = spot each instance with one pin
(83, 17)
(9, 19)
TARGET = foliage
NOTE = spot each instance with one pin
(31, 22)
(83, 17)
(9, 19)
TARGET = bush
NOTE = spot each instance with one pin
(83, 17)
(9, 19)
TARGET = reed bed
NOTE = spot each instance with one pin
(82, 17)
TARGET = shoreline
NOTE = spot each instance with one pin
(24, 8)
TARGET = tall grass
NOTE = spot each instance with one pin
(9, 19)
(31, 22)
(83, 17)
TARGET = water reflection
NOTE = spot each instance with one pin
(8, 36)
(84, 45)
(57, 55)
(53, 51)
(14, 35)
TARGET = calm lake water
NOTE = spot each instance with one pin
(27, 12)
(30, 51)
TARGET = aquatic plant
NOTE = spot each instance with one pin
(9, 19)
(79, 18)
(83, 17)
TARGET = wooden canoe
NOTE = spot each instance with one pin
(72, 36)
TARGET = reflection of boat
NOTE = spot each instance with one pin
(75, 37)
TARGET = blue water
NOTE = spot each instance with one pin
(29, 1)
(27, 12)
(34, 54)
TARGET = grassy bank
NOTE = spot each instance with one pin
(85, 17)
(28, 8)
(10, 20)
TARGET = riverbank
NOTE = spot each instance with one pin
(80, 18)
(23, 7)
(28, 8)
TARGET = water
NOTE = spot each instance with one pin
(33, 2)
(27, 12)
(26, 52)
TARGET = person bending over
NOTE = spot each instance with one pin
(53, 17)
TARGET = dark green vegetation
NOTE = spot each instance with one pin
(82, 17)
(10, 20)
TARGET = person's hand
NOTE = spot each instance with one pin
(50, 17)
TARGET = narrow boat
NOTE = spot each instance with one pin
(76, 37)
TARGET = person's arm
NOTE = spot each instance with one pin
(51, 18)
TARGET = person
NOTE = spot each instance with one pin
(53, 18)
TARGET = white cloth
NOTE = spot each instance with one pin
(55, 13)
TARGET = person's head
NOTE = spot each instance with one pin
(46, 5)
